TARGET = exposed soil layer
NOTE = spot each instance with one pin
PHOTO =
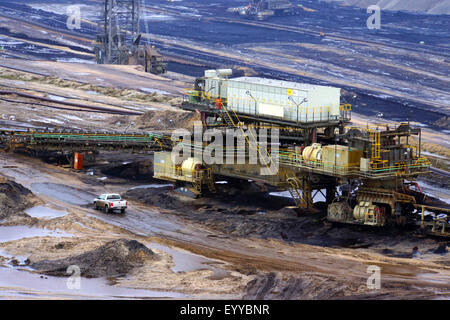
(163, 120)
(115, 258)
(308, 286)
(124, 94)
(294, 287)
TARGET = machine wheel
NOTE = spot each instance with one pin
(95, 206)
(106, 209)
(122, 210)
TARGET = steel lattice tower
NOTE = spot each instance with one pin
(119, 30)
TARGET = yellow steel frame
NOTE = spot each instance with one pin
(197, 175)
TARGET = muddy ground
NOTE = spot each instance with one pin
(243, 208)
(246, 211)
(252, 245)
(124, 259)
(243, 242)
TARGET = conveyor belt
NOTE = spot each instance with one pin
(80, 141)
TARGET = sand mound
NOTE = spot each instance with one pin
(244, 72)
(293, 287)
(14, 198)
(166, 120)
(121, 93)
(115, 258)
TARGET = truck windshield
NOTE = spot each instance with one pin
(114, 197)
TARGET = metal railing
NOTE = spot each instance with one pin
(346, 111)
(306, 114)
(293, 159)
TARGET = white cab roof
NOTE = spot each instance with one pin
(279, 83)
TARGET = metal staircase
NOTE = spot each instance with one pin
(235, 122)
(227, 118)
(293, 188)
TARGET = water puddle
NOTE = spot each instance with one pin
(11, 233)
(45, 212)
(56, 98)
(147, 90)
(187, 262)
(433, 191)
(10, 257)
(184, 261)
(16, 283)
(283, 194)
(317, 197)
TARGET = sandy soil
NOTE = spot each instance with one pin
(125, 77)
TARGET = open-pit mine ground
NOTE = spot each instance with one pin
(245, 241)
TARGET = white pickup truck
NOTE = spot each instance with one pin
(110, 202)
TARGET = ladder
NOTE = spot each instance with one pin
(371, 218)
(375, 145)
(228, 119)
(375, 150)
(293, 189)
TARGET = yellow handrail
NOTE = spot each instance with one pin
(251, 133)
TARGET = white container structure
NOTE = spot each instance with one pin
(283, 100)
(216, 82)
